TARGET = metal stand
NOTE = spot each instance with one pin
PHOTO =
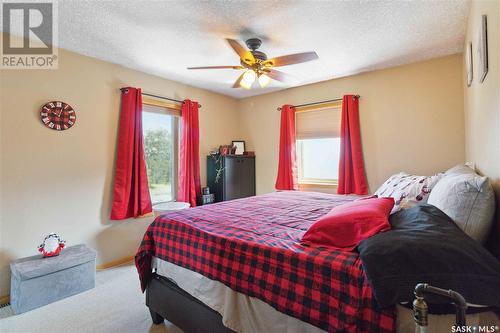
(420, 309)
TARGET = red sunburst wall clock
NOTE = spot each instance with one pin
(58, 115)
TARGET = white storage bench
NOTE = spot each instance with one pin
(38, 281)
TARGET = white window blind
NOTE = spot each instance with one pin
(160, 109)
(318, 124)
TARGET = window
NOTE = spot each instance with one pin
(318, 160)
(160, 128)
(318, 145)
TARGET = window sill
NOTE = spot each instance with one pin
(162, 202)
(316, 185)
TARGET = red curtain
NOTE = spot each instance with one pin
(352, 178)
(131, 192)
(287, 168)
(189, 164)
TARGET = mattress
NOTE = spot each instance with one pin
(247, 314)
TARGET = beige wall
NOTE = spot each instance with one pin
(482, 102)
(411, 119)
(62, 181)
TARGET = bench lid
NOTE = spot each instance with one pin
(35, 266)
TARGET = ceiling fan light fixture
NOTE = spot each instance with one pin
(249, 76)
(245, 84)
(248, 79)
(264, 80)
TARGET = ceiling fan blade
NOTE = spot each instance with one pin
(278, 76)
(237, 82)
(242, 52)
(237, 47)
(291, 59)
(217, 67)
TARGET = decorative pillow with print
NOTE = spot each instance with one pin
(408, 190)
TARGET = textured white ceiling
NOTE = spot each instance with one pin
(165, 37)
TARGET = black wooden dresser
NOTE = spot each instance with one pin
(231, 176)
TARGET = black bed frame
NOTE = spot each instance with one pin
(166, 300)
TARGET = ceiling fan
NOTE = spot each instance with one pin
(257, 66)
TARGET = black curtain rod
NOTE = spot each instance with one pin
(160, 97)
(321, 102)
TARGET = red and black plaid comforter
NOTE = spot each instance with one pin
(252, 246)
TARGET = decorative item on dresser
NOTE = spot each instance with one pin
(226, 150)
(231, 176)
(240, 147)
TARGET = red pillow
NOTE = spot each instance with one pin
(345, 226)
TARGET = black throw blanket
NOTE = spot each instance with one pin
(426, 246)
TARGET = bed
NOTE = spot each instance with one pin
(239, 266)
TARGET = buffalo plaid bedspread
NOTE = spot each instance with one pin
(252, 246)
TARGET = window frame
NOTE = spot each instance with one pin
(313, 182)
(174, 112)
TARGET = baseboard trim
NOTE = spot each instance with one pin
(114, 263)
(6, 299)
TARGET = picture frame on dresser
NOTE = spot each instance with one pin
(240, 146)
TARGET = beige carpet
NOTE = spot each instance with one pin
(116, 304)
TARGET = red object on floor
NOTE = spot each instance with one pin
(189, 162)
(287, 164)
(345, 226)
(252, 245)
(352, 179)
(131, 191)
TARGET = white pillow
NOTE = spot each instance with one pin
(467, 199)
(461, 169)
(407, 190)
